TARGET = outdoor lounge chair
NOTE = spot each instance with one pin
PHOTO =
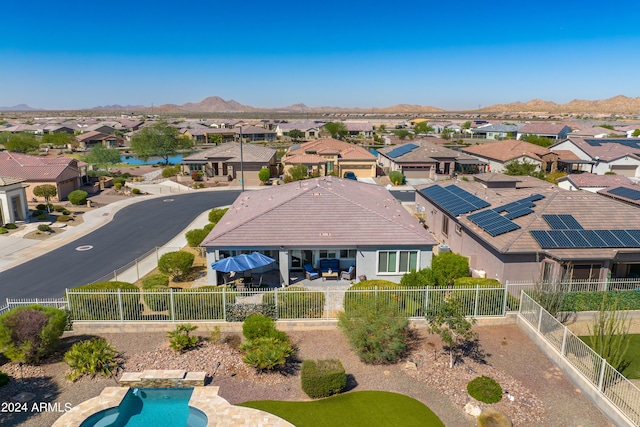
(310, 271)
(348, 274)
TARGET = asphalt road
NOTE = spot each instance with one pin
(133, 231)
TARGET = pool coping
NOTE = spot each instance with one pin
(110, 397)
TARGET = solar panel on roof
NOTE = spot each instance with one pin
(570, 222)
(532, 198)
(492, 222)
(562, 241)
(543, 239)
(562, 222)
(609, 239)
(518, 213)
(556, 239)
(626, 238)
(453, 199)
(577, 238)
(401, 150)
(625, 192)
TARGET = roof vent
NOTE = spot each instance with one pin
(325, 234)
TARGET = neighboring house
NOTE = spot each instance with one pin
(13, 200)
(627, 193)
(102, 128)
(331, 156)
(255, 133)
(223, 162)
(356, 129)
(90, 139)
(62, 172)
(58, 129)
(530, 230)
(591, 182)
(553, 131)
(323, 218)
(600, 155)
(311, 130)
(596, 132)
(425, 159)
(498, 153)
(498, 131)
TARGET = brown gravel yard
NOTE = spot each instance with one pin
(542, 395)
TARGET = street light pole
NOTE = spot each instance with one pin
(241, 162)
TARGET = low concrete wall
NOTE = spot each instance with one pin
(589, 390)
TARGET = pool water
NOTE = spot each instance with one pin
(132, 160)
(155, 407)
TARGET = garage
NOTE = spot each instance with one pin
(625, 170)
(416, 171)
(361, 171)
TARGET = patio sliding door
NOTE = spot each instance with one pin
(299, 258)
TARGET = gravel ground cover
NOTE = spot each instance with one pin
(543, 396)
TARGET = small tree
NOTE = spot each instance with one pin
(195, 237)
(47, 191)
(401, 133)
(102, 156)
(297, 173)
(609, 334)
(176, 264)
(453, 328)
(422, 127)
(449, 266)
(295, 134)
(264, 175)
(396, 177)
(216, 214)
(337, 129)
(78, 197)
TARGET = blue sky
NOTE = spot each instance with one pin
(80, 54)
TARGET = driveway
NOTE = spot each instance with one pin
(134, 230)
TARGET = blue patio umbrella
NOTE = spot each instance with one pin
(242, 262)
(259, 260)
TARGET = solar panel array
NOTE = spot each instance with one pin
(454, 199)
(492, 222)
(562, 222)
(631, 143)
(401, 150)
(626, 192)
(565, 239)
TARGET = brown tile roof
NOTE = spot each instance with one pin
(8, 180)
(328, 146)
(230, 152)
(36, 168)
(427, 151)
(320, 212)
(566, 155)
(94, 136)
(543, 128)
(605, 192)
(580, 180)
(605, 151)
(506, 150)
(306, 159)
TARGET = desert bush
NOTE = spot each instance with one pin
(30, 333)
(240, 312)
(66, 212)
(3, 230)
(208, 227)
(136, 191)
(266, 353)
(180, 338)
(485, 389)
(99, 301)
(322, 378)
(63, 218)
(58, 208)
(10, 226)
(119, 182)
(41, 207)
(155, 280)
(42, 217)
(421, 278)
(215, 336)
(78, 197)
(296, 303)
(264, 175)
(170, 171)
(36, 213)
(195, 237)
(176, 264)
(377, 332)
(591, 301)
(4, 379)
(396, 177)
(258, 325)
(44, 227)
(449, 266)
(91, 357)
(216, 214)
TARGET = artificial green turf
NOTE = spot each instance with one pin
(632, 355)
(361, 408)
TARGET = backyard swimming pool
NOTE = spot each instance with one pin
(156, 407)
(132, 160)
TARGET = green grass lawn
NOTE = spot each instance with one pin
(633, 355)
(361, 408)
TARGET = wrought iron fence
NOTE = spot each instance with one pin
(610, 383)
(51, 302)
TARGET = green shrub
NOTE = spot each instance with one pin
(156, 288)
(179, 338)
(41, 207)
(216, 214)
(78, 197)
(3, 230)
(472, 282)
(91, 357)
(170, 171)
(126, 175)
(322, 378)
(42, 217)
(4, 379)
(155, 280)
(449, 266)
(10, 226)
(264, 175)
(32, 332)
(204, 303)
(257, 325)
(396, 177)
(208, 227)
(119, 182)
(63, 218)
(591, 301)
(296, 303)
(176, 264)
(36, 213)
(136, 191)
(215, 336)
(44, 227)
(485, 389)
(195, 237)
(422, 278)
(58, 208)
(266, 353)
(95, 304)
(408, 301)
(66, 212)
(377, 332)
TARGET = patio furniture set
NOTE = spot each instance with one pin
(329, 268)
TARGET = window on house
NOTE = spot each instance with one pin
(330, 166)
(348, 253)
(397, 261)
(445, 225)
(327, 253)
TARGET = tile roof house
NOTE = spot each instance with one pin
(255, 133)
(533, 230)
(323, 218)
(595, 132)
(554, 131)
(311, 130)
(422, 158)
(223, 162)
(497, 131)
(92, 138)
(328, 155)
(13, 200)
(62, 172)
(499, 153)
(603, 155)
(356, 129)
(591, 182)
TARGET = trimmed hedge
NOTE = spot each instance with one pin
(485, 389)
(322, 378)
(296, 303)
(98, 306)
(592, 301)
(156, 288)
(216, 214)
(195, 237)
(78, 197)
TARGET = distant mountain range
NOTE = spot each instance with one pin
(214, 104)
